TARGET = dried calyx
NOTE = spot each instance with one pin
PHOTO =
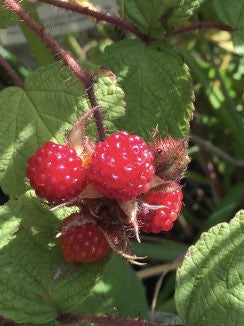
(170, 158)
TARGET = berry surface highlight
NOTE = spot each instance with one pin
(122, 166)
(56, 173)
(83, 243)
(160, 219)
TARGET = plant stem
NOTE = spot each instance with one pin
(106, 320)
(96, 111)
(101, 16)
(207, 145)
(67, 59)
(171, 266)
(200, 26)
(11, 73)
(158, 269)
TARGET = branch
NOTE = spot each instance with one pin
(68, 60)
(171, 266)
(100, 16)
(200, 26)
(11, 73)
(106, 320)
(207, 145)
(159, 269)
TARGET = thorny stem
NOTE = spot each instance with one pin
(200, 26)
(106, 320)
(11, 73)
(68, 60)
(101, 16)
(96, 112)
(127, 26)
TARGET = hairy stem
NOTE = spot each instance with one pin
(11, 73)
(200, 26)
(68, 60)
(96, 112)
(101, 16)
(106, 320)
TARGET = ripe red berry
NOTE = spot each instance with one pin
(161, 219)
(83, 243)
(56, 173)
(122, 166)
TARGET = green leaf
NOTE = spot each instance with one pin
(36, 284)
(6, 17)
(166, 318)
(232, 13)
(154, 16)
(229, 204)
(51, 102)
(165, 250)
(39, 50)
(157, 86)
(119, 290)
(41, 53)
(209, 288)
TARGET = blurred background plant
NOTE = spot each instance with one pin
(214, 185)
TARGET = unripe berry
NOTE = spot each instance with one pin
(82, 242)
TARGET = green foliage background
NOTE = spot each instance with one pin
(155, 86)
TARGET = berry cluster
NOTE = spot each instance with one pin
(121, 168)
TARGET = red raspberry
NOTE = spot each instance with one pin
(121, 166)
(56, 173)
(83, 243)
(161, 219)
